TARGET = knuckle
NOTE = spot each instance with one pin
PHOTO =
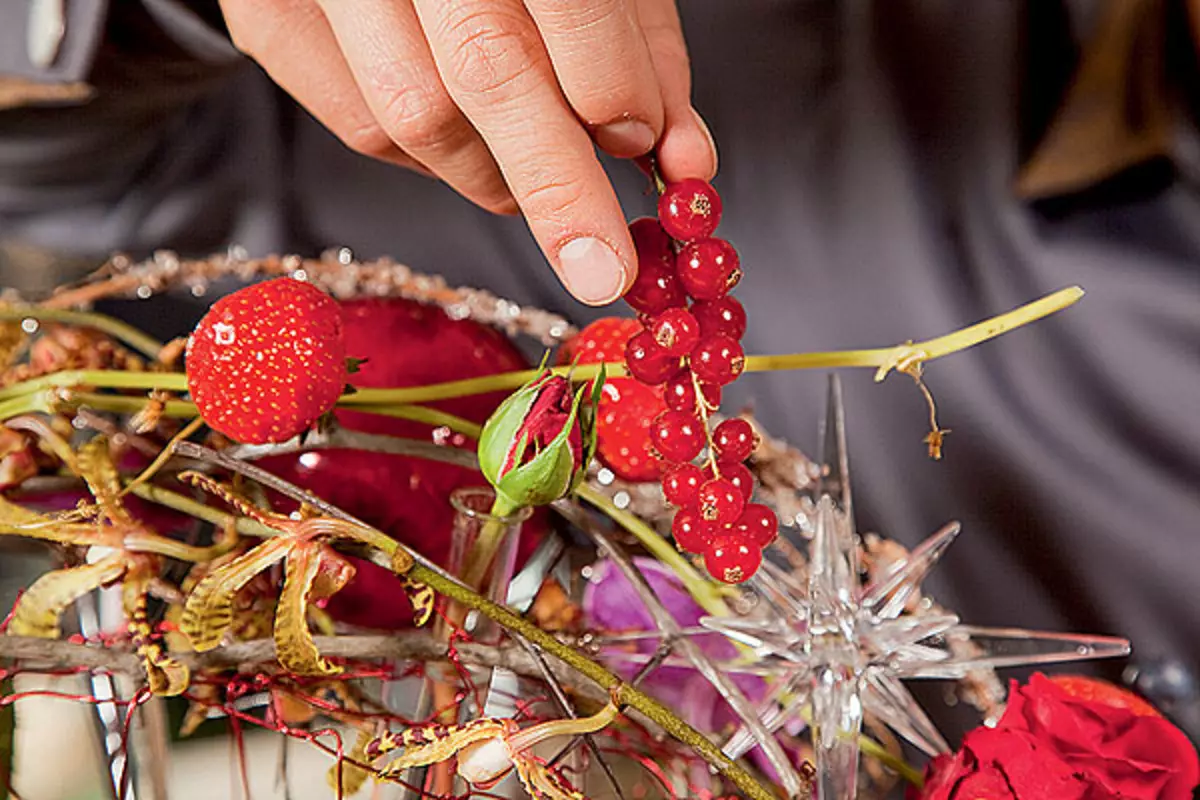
(421, 118)
(368, 139)
(490, 53)
(551, 199)
(611, 101)
(573, 18)
(669, 48)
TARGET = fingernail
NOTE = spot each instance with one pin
(712, 143)
(626, 138)
(591, 270)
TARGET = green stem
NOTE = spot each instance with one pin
(121, 331)
(623, 693)
(101, 378)
(483, 551)
(429, 416)
(881, 358)
(26, 404)
(706, 593)
(880, 753)
(194, 508)
(897, 764)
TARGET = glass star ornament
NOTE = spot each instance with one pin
(837, 650)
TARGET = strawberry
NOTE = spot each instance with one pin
(627, 406)
(267, 361)
(405, 344)
(1095, 690)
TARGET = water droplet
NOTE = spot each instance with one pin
(29, 325)
(300, 274)
(605, 476)
(310, 460)
(621, 500)
(198, 289)
(144, 292)
(345, 255)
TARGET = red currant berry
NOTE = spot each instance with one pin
(718, 359)
(734, 439)
(680, 394)
(648, 362)
(720, 501)
(656, 288)
(739, 475)
(676, 331)
(681, 483)
(678, 437)
(732, 559)
(723, 315)
(708, 269)
(758, 525)
(689, 209)
(692, 533)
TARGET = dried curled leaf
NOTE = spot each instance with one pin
(433, 743)
(231, 498)
(543, 782)
(38, 611)
(422, 598)
(164, 675)
(294, 644)
(18, 521)
(208, 613)
(95, 465)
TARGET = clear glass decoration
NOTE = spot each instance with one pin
(837, 650)
(483, 553)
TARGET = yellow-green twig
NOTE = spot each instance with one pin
(705, 592)
(121, 331)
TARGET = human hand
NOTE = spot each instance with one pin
(501, 99)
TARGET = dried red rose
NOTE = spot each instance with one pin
(1131, 755)
(1052, 745)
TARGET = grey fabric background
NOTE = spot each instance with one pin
(867, 155)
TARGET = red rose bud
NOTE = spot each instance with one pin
(536, 447)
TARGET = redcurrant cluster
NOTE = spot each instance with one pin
(693, 351)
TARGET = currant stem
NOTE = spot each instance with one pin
(703, 410)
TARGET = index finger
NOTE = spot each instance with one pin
(493, 64)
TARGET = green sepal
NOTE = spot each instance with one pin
(502, 427)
